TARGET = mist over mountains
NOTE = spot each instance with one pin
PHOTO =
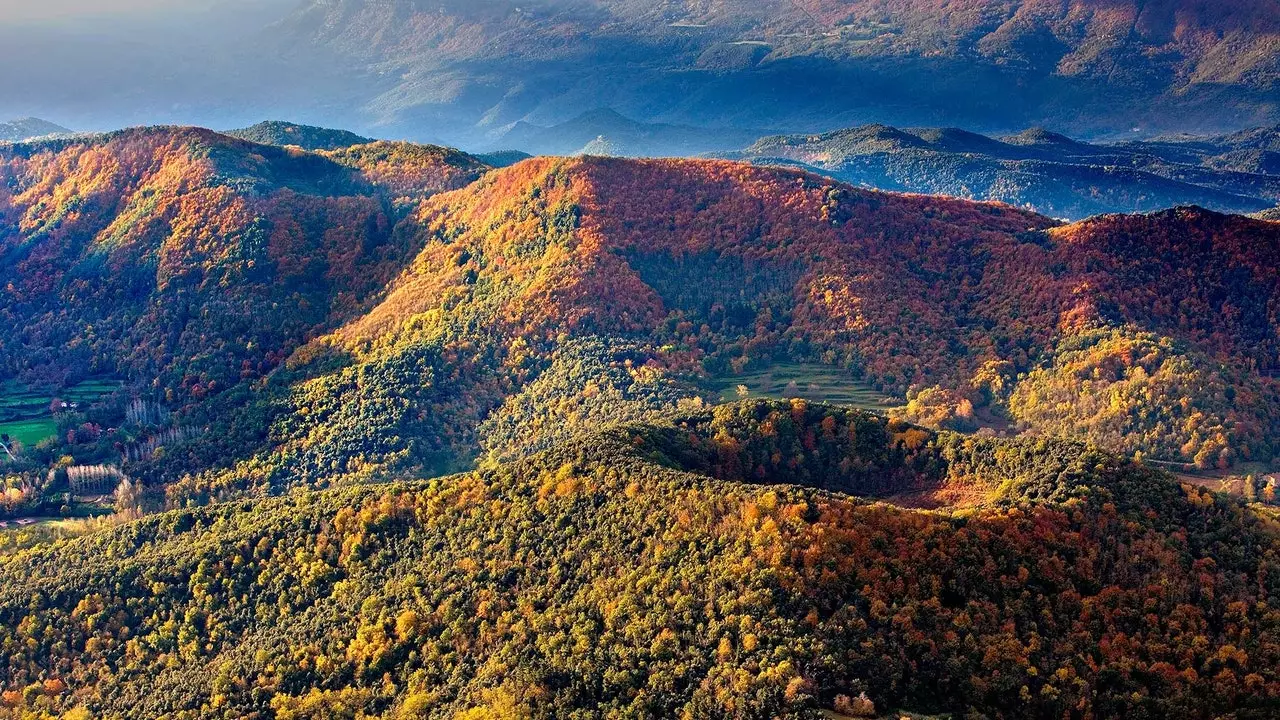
(465, 73)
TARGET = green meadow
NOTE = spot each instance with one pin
(25, 414)
(809, 381)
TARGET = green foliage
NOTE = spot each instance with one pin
(613, 576)
(307, 137)
(1139, 392)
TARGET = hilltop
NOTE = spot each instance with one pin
(307, 137)
(693, 568)
(30, 129)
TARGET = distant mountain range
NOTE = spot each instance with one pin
(1044, 171)
(468, 73)
(473, 69)
(307, 137)
(607, 132)
(1035, 169)
(29, 128)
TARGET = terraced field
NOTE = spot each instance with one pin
(25, 414)
(818, 383)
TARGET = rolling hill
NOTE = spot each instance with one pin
(1040, 170)
(324, 318)
(396, 434)
(307, 137)
(560, 294)
(692, 568)
(190, 259)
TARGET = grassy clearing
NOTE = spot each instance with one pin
(25, 413)
(817, 383)
(30, 432)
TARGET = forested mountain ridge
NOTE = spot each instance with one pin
(191, 257)
(325, 318)
(533, 358)
(1043, 171)
(558, 294)
(635, 572)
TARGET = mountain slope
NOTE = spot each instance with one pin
(559, 294)
(1083, 65)
(634, 572)
(189, 260)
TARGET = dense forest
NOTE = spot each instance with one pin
(697, 568)
(1147, 334)
(322, 318)
(189, 258)
(387, 432)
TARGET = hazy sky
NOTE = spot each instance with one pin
(56, 10)
(103, 64)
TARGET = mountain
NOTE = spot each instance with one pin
(557, 295)
(605, 132)
(700, 567)
(307, 137)
(29, 129)
(387, 432)
(474, 68)
(1040, 170)
(194, 260)
(354, 315)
